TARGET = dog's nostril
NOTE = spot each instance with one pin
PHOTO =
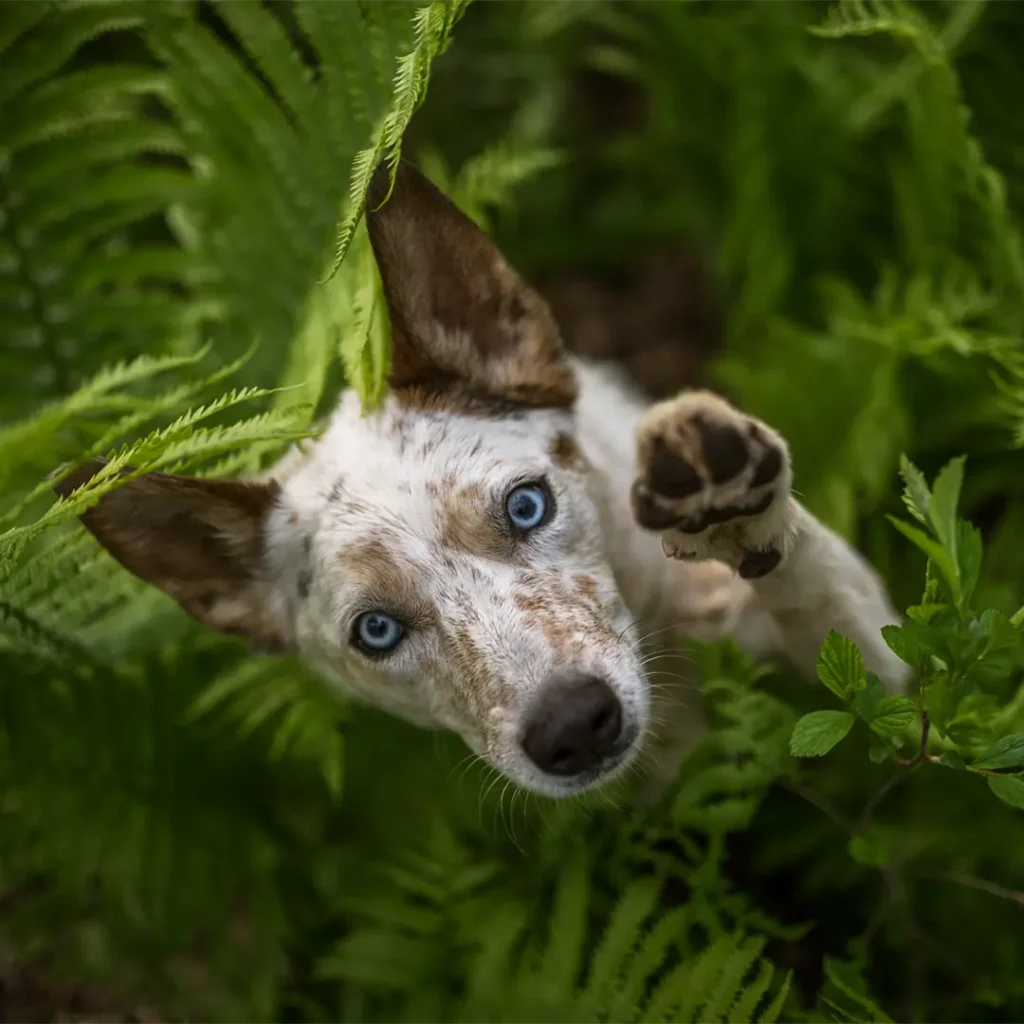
(574, 725)
(561, 757)
(607, 723)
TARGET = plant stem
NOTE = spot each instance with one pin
(899, 775)
(981, 884)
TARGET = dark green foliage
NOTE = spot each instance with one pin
(185, 283)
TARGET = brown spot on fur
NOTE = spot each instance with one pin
(470, 523)
(465, 673)
(372, 566)
(566, 453)
(587, 586)
(558, 612)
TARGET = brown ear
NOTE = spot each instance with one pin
(201, 541)
(461, 317)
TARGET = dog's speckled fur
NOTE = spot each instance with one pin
(402, 511)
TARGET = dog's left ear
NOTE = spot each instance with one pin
(202, 541)
(460, 315)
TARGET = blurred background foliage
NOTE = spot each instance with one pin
(814, 208)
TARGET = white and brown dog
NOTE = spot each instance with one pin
(486, 551)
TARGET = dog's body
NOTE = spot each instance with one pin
(486, 552)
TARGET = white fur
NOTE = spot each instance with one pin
(383, 477)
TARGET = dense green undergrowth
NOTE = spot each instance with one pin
(192, 830)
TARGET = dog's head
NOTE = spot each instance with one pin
(441, 557)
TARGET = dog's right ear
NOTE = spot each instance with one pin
(461, 317)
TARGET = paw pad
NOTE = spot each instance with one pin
(725, 452)
(670, 474)
(756, 564)
(708, 472)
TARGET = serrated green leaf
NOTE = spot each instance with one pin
(1009, 789)
(841, 667)
(892, 715)
(866, 701)
(934, 550)
(969, 551)
(945, 497)
(1007, 752)
(916, 495)
(901, 643)
(818, 732)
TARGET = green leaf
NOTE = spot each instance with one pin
(818, 732)
(840, 666)
(1005, 753)
(916, 495)
(945, 496)
(892, 715)
(871, 850)
(935, 551)
(867, 700)
(879, 752)
(1009, 789)
(968, 557)
(951, 759)
(901, 643)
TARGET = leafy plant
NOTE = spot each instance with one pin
(963, 659)
(191, 830)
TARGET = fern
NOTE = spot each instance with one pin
(303, 717)
(866, 18)
(433, 28)
(193, 831)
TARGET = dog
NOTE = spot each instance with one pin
(489, 549)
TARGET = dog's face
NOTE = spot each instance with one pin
(442, 557)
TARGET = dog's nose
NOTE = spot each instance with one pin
(574, 725)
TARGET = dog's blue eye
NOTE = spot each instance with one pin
(527, 506)
(377, 633)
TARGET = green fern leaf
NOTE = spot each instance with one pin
(434, 24)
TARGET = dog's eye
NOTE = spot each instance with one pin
(527, 506)
(377, 633)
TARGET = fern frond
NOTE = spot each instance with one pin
(348, 76)
(72, 25)
(364, 348)
(488, 181)
(867, 17)
(709, 988)
(83, 98)
(264, 38)
(621, 957)
(434, 25)
(300, 715)
(32, 440)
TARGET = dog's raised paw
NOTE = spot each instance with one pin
(714, 482)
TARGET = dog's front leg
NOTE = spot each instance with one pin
(716, 485)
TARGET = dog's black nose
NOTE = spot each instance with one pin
(576, 723)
